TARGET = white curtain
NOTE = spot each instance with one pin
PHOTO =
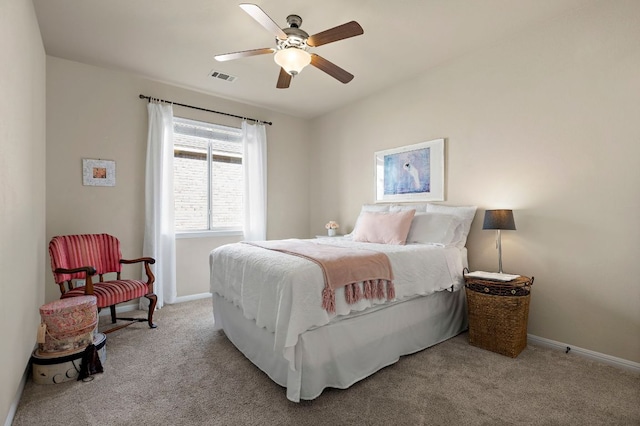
(254, 141)
(159, 231)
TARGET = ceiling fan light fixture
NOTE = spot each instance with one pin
(292, 44)
(292, 59)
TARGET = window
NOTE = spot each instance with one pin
(208, 176)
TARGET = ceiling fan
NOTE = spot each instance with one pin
(292, 46)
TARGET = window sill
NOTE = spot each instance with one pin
(208, 234)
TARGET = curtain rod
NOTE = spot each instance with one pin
(204, 109)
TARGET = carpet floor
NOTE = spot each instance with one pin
(184, 373)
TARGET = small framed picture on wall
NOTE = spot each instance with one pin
(98, 172)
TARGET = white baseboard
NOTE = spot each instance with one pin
(134, 306)
(121, 308)
(16, 399)
(596, 356)
(193, 297)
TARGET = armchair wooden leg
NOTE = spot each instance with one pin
(153, 299)
(113, 313)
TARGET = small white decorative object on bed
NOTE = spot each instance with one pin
(270, 305)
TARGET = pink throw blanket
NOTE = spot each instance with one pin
(363, 273)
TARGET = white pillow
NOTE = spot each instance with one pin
(436, 228)
(374, 208)
(404, 207)
(466, 213)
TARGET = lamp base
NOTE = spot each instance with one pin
(499, 252)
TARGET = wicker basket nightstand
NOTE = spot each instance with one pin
(498, 314)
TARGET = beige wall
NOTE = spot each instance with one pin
(545, 123)
(22, 189)
(96, 113)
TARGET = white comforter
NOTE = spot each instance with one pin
(283, 293)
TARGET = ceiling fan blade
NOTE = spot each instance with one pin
(284, 79)
(243, 54)
(263, 19)
(350, 29)
(330, 68)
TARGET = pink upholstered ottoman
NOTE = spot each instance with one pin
(70, 324)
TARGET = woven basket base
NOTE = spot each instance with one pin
(498, 323)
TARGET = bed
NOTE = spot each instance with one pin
(270, 303)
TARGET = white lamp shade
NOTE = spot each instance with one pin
(292, 59)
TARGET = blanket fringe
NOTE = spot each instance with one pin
(349, 294)
(391, 291)
(372, 289)
(368, 293)
(357, 292)
(329, 300)
(380, 290)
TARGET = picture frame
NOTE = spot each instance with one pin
(98, 172)
(410, 173)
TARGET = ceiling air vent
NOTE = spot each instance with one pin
(222, 76)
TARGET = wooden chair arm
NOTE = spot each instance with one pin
(149, 260)
(89, 272)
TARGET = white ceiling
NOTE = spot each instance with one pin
(174, 41)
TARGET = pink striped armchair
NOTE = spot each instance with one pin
(83, 256)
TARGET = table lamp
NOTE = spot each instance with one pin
(499, 220)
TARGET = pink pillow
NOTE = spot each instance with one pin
(384, 227)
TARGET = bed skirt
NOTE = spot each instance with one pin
(343, 352)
